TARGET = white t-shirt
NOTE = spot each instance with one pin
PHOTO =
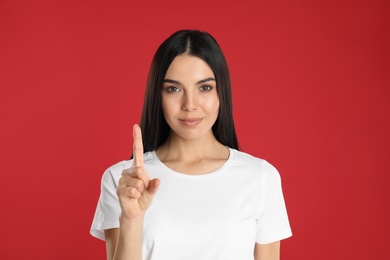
(219, 215)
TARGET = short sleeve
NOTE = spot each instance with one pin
(108, 207)
(273, 223)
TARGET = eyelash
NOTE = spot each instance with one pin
(208, 88)
(172, 89)
(203, 88)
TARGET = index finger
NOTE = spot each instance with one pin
(138, 147)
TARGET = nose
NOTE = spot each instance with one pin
(190, 102)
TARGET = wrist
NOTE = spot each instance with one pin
(124, 221)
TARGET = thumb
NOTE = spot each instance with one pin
(153, 187)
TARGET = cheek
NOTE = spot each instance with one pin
(168, 107)
(213, 106)
(165, 107)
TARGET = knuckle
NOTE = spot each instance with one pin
(132, 190)
(138, 171)
(126, 172)
(137, 168)
(134, 193)
(121, 181)
(119, 191)
(139, 184)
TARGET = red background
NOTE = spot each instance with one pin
(311, 95)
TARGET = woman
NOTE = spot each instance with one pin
(188, 192)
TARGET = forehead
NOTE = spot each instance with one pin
(188, 66)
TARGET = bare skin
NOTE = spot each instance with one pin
(126, 242)
(190, 105)
(135, 192)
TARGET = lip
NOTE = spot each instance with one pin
(190, 121)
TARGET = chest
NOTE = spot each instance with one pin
(212, 215)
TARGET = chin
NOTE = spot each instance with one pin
(192, 134)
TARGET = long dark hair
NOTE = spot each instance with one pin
(155, 129)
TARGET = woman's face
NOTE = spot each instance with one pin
(190, 100)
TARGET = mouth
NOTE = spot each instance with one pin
(190, 121)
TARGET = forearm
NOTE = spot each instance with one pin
(129, 244)
(268, 251)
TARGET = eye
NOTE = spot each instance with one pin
(206, 88)
(171, 89)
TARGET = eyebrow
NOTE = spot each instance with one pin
(197, 83)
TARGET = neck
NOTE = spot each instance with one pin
(179, 149)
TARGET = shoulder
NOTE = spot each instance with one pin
(113, 173)
(248, 160)
(253, 164)
(243, 157)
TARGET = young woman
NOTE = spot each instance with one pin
(188, 192)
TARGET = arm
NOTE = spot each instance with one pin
(111, 237)
(135, 192)
(268, 251)
(125, 242)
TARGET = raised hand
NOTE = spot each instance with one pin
(135, 189)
